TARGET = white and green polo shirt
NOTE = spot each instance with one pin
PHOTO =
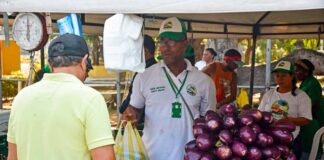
(165, 136)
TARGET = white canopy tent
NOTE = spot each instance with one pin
(157, 6)
(205, 19)
(278, 24)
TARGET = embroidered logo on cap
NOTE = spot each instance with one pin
(167, 25)
(281, 64)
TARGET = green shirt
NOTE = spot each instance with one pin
(58, 118)
(314, 90)
(189, 51)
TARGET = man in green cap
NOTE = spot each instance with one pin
(173, 92)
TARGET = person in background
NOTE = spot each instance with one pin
(149, 49)
(311, 86)
(207, 58)
(59, 117)
(190, 54)
(173, 93)
(224, 76)
(287, 102)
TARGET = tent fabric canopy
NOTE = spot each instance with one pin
(157, 6)
(204, 19)
(279, 24)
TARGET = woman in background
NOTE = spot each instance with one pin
(207, 58)
(287, 102)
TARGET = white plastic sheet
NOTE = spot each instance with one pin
(123, 43)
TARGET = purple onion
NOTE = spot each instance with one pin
(247, 135)
(239, 149)
(281, 136)
(264, 140)
(271, 152)
(267, 118)
(256, 128)
(197, 130)
(205, 141)
(254, 153)
(211, 116)
(228, 109)
(223, 152)
(225, 136)
(211, 113)
(213, 123)
(291, 156)
(207, 156)
(190, 145)
(245, 120)
(256, 114)
(199, 122)
(247, 107)
(284, 150)
(193, 154)
(236, 158)
(229, 121)
(282, 124)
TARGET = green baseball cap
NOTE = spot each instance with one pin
(285, 67)
(172, 28)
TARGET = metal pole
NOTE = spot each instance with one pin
(118, 93)
(42, 58)
(268, 65)
(255, 32)
(1, 107)
(7, 41)
(31, 69)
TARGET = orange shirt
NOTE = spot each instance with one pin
(221, 78)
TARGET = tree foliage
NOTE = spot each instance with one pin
(279, 49)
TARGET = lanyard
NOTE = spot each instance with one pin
(173, 86)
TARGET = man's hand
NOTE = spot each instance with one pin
(129, 115)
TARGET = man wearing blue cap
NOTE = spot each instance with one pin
(173, 93)
(59, 117)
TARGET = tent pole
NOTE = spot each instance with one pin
(255, 32)
(42, 58)
(268, 65)
(1, 105)
(118, 93)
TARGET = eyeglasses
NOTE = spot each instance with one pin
(166, 42)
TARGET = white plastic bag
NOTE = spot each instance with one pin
(123, 43)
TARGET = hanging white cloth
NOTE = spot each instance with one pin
(123, 43)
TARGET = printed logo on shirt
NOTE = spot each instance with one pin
(157, 89)
(279, 108)
(191, 89)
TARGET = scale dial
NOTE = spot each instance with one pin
(29, 31)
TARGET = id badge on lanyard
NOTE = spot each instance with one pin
(176, 107)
